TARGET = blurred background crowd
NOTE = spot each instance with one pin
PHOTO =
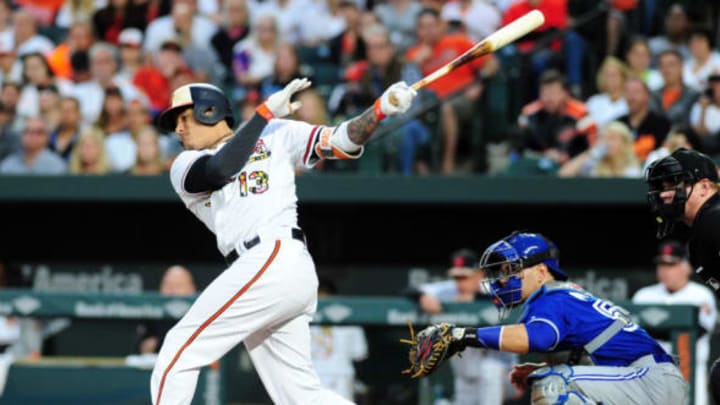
(601, 89)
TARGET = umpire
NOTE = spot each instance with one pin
(683, 188)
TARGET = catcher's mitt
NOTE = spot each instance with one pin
(430, 348)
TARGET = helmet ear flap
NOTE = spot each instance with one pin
(211, 106)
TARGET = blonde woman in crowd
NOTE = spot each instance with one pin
(612, 156)
(609, 103)
(89, 156)
(149, 161)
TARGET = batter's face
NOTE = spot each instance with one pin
(194, 135)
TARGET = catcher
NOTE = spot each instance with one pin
(596, 354)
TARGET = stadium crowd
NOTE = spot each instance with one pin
(601, 89)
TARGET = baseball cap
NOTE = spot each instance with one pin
(671, 252)
(697, 164)
(463, 263)
(131, 36)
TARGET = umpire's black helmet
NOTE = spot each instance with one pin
(208, 102)
(682, 168)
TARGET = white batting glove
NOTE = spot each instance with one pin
(279, 104)
(395, 100)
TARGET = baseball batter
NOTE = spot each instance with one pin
(599, 354)
(241, 185)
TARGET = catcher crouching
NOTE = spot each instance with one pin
(597, 355)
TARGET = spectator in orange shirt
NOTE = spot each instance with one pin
(556, 125)
(79, 38)
(674, 99)
(460, 90)
(537, 57)
(649, 128)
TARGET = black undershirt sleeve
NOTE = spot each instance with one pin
(212, 172)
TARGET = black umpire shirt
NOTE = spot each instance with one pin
(704, 243)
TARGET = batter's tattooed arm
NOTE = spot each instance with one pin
(360, 128)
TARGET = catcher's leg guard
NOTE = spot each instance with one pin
(552, 386)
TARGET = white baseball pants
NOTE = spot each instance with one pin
(266, 298)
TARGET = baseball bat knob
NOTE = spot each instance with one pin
(392, 98)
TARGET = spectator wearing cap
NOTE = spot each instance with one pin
(131, 54)
(478, 375)
(145, 76)
(34, 157)
(675, 288)
(464, 285)
(705, 116)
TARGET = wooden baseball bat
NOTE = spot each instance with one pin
(492, 43)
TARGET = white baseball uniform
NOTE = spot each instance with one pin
(692, 294)
(480, 376)
(334, 348)
(267, 297)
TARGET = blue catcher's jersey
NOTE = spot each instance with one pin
(577, 317)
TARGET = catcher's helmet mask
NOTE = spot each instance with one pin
(681, 169)
(208, 103)
(504, 260)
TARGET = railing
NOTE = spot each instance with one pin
(369, 311)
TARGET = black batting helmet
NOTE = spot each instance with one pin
(208, 102)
